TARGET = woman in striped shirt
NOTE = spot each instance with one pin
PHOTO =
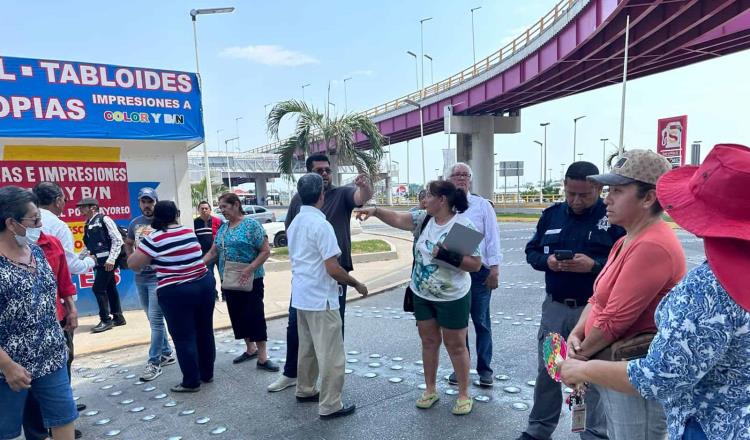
(186, 293)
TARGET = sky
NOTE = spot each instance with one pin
(264, 51)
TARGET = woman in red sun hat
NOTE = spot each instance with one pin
(698, 365)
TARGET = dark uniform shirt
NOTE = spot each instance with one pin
(338, 206)
(560, 229)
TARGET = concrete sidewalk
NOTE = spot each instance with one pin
(379, 276)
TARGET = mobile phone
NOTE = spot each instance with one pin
(563, 254)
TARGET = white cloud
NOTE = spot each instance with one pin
(270, 55)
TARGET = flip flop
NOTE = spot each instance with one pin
(462, 407)
(427, 401)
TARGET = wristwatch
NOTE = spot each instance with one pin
(597, 267)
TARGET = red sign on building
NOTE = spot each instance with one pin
(105, 181)
(672, 139)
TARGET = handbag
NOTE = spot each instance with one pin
(409, 294)
(230, 277)
(633, 347)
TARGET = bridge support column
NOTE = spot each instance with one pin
(261, 192)
(476, 145)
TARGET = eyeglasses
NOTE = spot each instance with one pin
(320, 171)
(461, 175)
(37, 220)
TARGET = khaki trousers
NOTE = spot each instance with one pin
(321, 353)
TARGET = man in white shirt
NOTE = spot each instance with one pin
(313, 253)
(482, 215)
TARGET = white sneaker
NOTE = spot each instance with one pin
(151, 372)
(167, 360)
(282, 383)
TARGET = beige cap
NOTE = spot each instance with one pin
(635, 165)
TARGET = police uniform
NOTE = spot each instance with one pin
(567, 294)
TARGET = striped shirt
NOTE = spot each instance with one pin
(176, 255)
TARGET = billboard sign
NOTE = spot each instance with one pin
(510, 169)
(672, 139)
(62, 99)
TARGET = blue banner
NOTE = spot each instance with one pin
(61, 99)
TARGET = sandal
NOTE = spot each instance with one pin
(462, 407)
(427, 401)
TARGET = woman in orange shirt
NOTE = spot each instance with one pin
(642, 267)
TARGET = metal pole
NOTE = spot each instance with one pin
(604, 152)
(346, 104)
(421, 139)
(541, 168)
(206, 167)
(624, 84)
(575, 126)
(473, 44)
(408, 178)
(545, 124)
(237, 127)
(421, 40)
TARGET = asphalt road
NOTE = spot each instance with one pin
(380, 339)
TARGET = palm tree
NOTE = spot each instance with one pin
(336, 134)
(198, 191)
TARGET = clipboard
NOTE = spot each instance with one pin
(461, 239)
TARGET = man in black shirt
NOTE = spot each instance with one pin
(578, 225)
(339, 203)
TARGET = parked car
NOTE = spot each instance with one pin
(276, 231)
(259, 213)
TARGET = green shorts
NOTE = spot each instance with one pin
(448, 314)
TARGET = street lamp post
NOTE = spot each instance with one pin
(421, 134)
(473, 45)
(408, 166)
(346, 104)
(580, 157)
(218, 150)
(237, 128)
(541, 169)
(421, 40)
(416, 66)
(226, 147)
(575, 123)
(303, 90)
(432, 77)
(604, 152)
(545, 124)
(265, 117)
(194, 13)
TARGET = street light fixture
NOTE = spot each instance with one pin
(303, 91)
(237, 127)
(421, 39)
(346, 104)
(541, 169)
(545, 124)
(416, 66)
(575, 122)
(473, 46)
(604, 152)
(432, 77)
(194, 13)
(421, 134)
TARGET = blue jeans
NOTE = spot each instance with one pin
(189, 310)
(55, 398)
(631, 417)
(480, 316)
(150, 303)
(693, 430)
(292, 337)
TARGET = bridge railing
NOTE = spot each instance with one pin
(470, 72)
(481, 66)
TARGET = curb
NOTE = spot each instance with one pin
(279, 265)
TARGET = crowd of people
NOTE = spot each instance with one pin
(653, 351)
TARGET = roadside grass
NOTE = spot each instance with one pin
(358, 247)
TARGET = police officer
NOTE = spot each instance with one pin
(104, 242)
(571, 246)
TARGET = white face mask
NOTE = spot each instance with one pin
(32, 234)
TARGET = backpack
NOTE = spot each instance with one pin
(122, 259)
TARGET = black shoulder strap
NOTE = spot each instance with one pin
(424, 223)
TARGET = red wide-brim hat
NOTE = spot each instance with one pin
(712, 202)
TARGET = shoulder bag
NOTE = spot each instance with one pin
(230, 277)
(633, 347)
(409, 294)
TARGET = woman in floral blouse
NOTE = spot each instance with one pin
(33, 353)
(698, 365)
(243, 240)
